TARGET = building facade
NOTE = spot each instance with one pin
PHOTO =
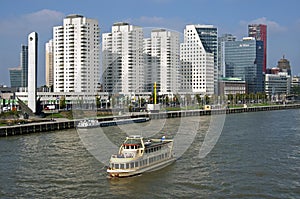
(232, 86)
(76, 57)
(15, 75)
(244, 59)
(221, 60)
(162, 61)
(24, 65)
(197, 61)
(284, 66)
(277, 84)
(49, 63)
(122, 59)
(259, 32)
(208, 35)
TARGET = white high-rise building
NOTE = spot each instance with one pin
(49, 63)
(32, 70)
(197, 63)
(162, 63)
(76, 55)
(122, 56)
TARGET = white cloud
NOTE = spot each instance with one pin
(39, 21)
(272, 26)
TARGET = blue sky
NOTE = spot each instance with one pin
(20, 17)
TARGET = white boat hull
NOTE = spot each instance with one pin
(120, 173)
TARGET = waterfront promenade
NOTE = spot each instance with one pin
(62, 123)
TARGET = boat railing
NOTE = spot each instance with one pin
(128, 155)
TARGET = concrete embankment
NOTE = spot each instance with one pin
(69, 124)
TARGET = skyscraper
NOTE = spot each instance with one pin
(208, 35)
(221, 62)
(244, 59)
(32, 70)
(24, 65)
(76, 55)
(163, 51)
(49, 63)
(259, 32)
(197, 54)
(123, 65)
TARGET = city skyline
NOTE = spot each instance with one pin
(16, 22)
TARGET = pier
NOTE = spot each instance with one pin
(71, 124)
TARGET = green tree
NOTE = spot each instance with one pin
(199, 100)
(62, 102)
(206, 99)
(98, 98)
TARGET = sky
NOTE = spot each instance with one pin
(18, 18)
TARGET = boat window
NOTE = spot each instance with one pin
(117, 166)
(121, 166)
(132, 165)
(127, 166)
(136, 164)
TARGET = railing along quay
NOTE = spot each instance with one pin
(70, 124)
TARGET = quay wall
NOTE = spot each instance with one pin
(60, 125)
(189, 113)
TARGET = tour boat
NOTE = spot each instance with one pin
(136, 156)
(90, 123)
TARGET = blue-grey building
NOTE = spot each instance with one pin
(244, 59)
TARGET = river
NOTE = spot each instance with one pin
(256, 156)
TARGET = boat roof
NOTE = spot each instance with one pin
(134, 136)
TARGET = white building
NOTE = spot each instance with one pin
(197, 70)
(76, 55)
(32, 70)
(49, 63)
(122, 56)
(162, 53)
(277, 84)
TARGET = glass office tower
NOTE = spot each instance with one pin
(244, 59)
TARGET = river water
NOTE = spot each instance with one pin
(256, 156)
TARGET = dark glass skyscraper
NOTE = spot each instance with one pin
(24, 65)
(244, 59)
(259, 32)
